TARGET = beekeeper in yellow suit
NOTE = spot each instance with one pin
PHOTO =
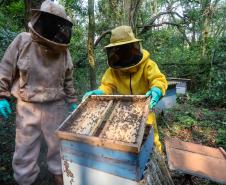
(132, 72)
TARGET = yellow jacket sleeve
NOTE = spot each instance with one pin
(155, 77)
(108, 82)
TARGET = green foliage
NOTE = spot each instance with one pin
(168, 47)
(78, 44)
(221, 136)
(11, 22)
(6, 37)
(7, 135)
(195, 124)
(214, 94)
(12, 16)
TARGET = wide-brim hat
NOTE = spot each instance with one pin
(122, 35)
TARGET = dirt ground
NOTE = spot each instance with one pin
(186, 122)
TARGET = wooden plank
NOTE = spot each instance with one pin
(197, 164)
(110, 118)
(179, 79)
(145, 153)
(117, 97)
(95, 141)
(70, 116)
(143, 123)
(81, 175)
(195, 148)
(100, 121)
(106, 165)
(99, 151)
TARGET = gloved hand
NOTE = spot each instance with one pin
(5, 109)
(155, 94)
(94, 92)
(73, 106)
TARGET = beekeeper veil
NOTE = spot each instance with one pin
(52, 22)
(124, 50)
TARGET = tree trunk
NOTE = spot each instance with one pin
(130, 12)
(193, 33)
(154, 5)
(206, 4)
(27, 4)
(90, 44)
(36, 3)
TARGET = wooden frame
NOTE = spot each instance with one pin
(103, 142)
(119, 163)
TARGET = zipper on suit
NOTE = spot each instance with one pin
(130, 84)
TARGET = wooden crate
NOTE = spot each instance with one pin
(105, 135)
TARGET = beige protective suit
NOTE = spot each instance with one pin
(38, 72)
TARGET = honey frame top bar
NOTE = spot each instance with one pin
(104, 142)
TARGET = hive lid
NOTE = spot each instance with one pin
(115, 122)
(196, 159)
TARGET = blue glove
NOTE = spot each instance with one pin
(73, 106)
(94, 92)
(5, 109)
(155, 94)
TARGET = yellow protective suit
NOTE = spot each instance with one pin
(136, 80)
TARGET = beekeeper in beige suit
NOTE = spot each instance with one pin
(37, 70)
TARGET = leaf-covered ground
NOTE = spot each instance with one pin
(185, 121)
(200, 125)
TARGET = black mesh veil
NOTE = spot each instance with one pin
(53, 28)
(124, 56)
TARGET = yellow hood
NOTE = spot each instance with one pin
(134, 80)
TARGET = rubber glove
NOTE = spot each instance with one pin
(155, 94)
(5, 109)
(73, 106)
(94, 92)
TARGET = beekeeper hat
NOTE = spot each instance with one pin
(122, 35)
(51, 7)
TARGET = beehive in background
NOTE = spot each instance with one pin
(105, 137)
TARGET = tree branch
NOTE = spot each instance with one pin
(153, 19)
(79, 62)
(215, 3)
(160, 24)
(103, 34)
(182, 32)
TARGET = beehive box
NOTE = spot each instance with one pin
(105, 137)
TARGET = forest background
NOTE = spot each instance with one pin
(186, 38)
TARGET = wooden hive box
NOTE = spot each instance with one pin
(105, 137)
